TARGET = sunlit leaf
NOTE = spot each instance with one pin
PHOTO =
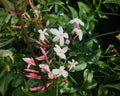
(6, 53)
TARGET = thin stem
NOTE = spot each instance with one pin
(109, 33)
(106, 13)
(24, 30)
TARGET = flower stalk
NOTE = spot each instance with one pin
(24, 30)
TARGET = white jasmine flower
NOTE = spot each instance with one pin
(60, 72)
(72, 64)
(78, 33)
(77, 21)
(59, 35)
(60, 52)
(42, 34)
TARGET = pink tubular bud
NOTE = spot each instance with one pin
(31, 70)
(113, 63)
(50, 8)
(40, 58)
(36, 88)
(43, 43)
(16, 27)
(47, 23)
(45, 54)
(33, 76)
(40, 87)
(114, 49)
(29, 61)
(39, 43)
(31, 5)
(28, 16)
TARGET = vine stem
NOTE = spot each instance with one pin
(25, 31)
(109, 33)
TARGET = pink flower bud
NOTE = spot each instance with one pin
(50, 8)
(51, 75)
(36, 88)
(34, 76)
(76, 25)
(40, 58)
(29, 61)
(45, 54)
(31, 5)
(16, 27)
(31, 70)
(113, 63)
(67, 41)
(47, 23)
(40, 87)
(28, 16)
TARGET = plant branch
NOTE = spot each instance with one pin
(109, 33)
(25, 31)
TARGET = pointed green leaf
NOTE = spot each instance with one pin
(4, 83)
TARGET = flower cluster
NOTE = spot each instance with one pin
(60, 48)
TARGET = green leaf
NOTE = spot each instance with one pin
(101, 64)
(80, 67)
(18, 91)
(115, 86)
(4, 83)
(6, 42)
(88, 75)
(73, 12)
(89, 85)
(112, 1)
(18, 79)
(83, 10)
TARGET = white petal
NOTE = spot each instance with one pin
(80, 36)
(71, 21)
(55, 71)
(56, 38)
(42, 37)
(60, 29)
(45, 30)
(61, 41)
(54, 31)
(57, 48)
(81, 22)
(65, 73)
(65, 35)
(69, 62)
(46, 33)
(65, 49)
(62, 67)
(39, 30)
(63, 56)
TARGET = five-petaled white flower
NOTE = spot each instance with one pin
(59, 35)
(60, 72)
(42, 34)
(72, 64)
(60, 52)
(78, 33)
(77, 21)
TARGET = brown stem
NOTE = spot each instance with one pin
(25, 31)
